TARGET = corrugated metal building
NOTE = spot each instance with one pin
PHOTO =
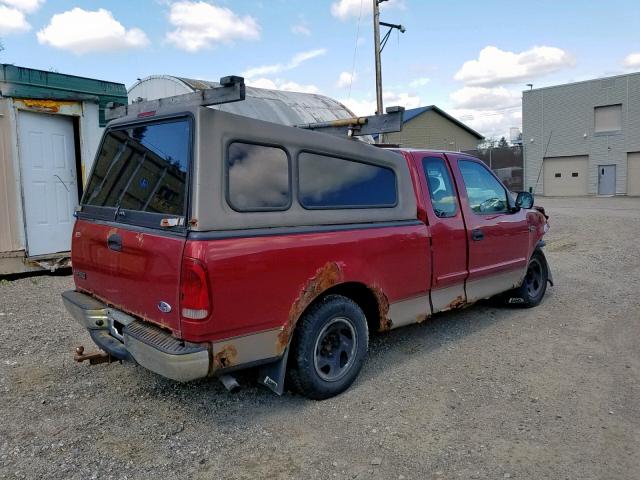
(50, 126)
(433, 128)
(287, 108)
(583, 138)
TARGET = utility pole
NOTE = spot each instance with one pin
(376, 43)
(378, 47)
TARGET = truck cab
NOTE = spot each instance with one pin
(468, 209)
(208, 242)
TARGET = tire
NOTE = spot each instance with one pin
(329, 347)
(534, 285)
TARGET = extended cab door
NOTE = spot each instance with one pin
(130, 234)
(448, 234)
(497, 234)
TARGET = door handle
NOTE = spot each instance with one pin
(114, 242)
(477, 234)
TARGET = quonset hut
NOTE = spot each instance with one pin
(286, 108)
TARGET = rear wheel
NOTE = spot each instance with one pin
(329, 348)
(534, 285)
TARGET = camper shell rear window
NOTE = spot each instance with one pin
(141, 174)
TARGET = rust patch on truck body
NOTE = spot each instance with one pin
(327, 276)
(457, 302)
(226, 357)
(385, 323)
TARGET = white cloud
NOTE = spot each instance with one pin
(295, 62)
(201, 25)
(360, 107)
(482, 98)
(632, 60)
(81, 31)
(12, 21)
(296, 87)
(282, 85)
(419, 82)
(490, 111)
(364, 107)
(490, 123)
(26, 6)
(262, 83)
(301, 29)
(495, 66)
(406, 100)
(346, 79)
(345, 9)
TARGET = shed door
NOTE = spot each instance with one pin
(566, 176)
(606, 179)
(48, 169)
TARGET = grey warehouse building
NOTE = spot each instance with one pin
(583, 138)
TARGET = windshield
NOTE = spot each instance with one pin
(142, 168)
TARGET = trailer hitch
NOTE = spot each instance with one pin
(94, 358)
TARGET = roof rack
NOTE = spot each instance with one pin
(231, 89)
(358, 126)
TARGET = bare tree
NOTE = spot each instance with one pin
(488, 142)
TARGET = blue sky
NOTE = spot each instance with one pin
(471, 58)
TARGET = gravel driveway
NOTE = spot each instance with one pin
(552, 392)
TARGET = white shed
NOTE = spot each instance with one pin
(50, 127)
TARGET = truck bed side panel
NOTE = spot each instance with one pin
(257, 281)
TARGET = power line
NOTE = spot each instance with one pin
(355, 50)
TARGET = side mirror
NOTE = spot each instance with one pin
(524, 200)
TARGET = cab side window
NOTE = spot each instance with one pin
(485, 193)
(441, 192)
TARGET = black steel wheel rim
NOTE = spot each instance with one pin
(534, 280)
(335, 349)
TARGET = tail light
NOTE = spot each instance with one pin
(195, 298)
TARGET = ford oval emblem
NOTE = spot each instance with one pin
(164, 307)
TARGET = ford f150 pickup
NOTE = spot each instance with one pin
(208, 242)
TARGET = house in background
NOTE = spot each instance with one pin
(433, 128)
(50, 127)
(583, 138)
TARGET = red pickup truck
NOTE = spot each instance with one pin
(208, 242)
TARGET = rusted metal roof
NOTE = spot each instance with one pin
(283, 107)
(21, 82)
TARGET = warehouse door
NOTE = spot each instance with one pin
(606, 179)
(633, 173)
(48, 170)
(566, 176)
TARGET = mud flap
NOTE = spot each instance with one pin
(549, 276)
(272, 375)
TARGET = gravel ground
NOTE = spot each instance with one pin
(551, 392)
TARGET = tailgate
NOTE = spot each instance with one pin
(134, 271)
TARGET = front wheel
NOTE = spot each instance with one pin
(534, 285)
(329, 348)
